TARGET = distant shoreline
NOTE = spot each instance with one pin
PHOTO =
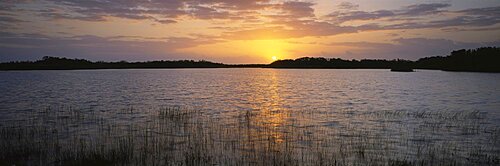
(416, 69)
(486, 59)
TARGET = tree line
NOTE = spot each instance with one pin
(484, 59)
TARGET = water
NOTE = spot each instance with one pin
(390, 113)
(223, 90)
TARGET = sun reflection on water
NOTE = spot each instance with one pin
(269, 114)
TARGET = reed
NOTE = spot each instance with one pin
(186, 136)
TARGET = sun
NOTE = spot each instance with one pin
(274, 58)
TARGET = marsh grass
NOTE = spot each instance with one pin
(186, 136)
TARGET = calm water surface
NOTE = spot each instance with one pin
(226, 90)
(393, 114)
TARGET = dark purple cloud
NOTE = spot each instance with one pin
(343, 16)
(347, 6)
(96, 10)
(298, 9)
(415, 17)
(34, 46)
(407, 48)
(407, 11)
(423, 9)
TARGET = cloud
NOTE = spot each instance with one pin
(290, 29)
(460, 20)
(292, 18)
(344, 16)
(347, 6)
(420, 16)
(159, 10)
(228, 20)
(455, 29)
(34, 46)
(489, 11)
(407, 11)
(407, 48)
(99, 10)
(202, 12)
(155, 10)
(165, 21)
(423, 9)
(9, 19)
(298, 9)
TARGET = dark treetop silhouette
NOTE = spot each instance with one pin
(485, 59)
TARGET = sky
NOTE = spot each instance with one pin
(244, 31)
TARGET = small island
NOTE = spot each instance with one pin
(402, 69)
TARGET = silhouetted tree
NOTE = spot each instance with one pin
(485, 59)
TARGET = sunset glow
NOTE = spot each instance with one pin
(245, 31)
(274, 58)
